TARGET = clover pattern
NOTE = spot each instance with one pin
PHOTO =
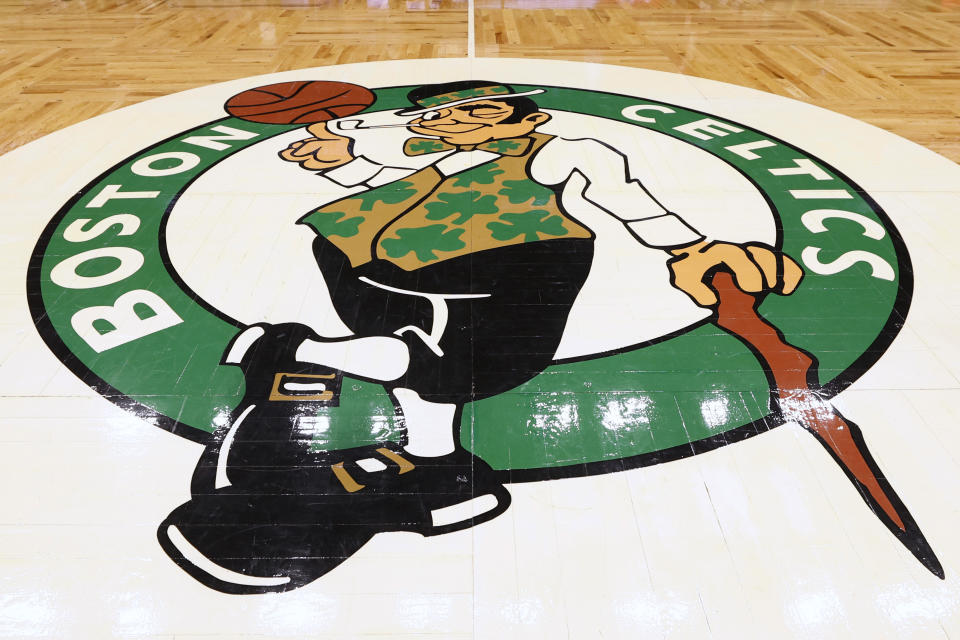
(329, 223)
(423, 242)
(522, 191)
(464, 205)
(426, 146)
(483, 174)
(530, 225)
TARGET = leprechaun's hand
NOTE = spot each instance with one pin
(756, 268)
(323, 150)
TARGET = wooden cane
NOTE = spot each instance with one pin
(796, 397)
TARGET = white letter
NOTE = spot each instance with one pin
(186, 162)
(813, 220)
(76, 233)
(880, 268)
(111, 191)
(706, 129)
(633, 112)
(745, 150)
(65, 273)
(804, 168)
(210, 142)
(127, 323)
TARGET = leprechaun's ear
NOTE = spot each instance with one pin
(536, 119)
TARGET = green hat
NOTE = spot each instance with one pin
(463, 96)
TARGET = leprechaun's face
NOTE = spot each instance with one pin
(475, 122)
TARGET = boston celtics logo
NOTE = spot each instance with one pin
(377, 307)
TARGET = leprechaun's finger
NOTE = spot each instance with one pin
(688, 281)
(792, 275)
(746, 273)
(766, 260)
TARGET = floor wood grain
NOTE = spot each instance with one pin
(893, 63)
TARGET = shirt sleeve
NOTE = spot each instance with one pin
(610, 187)
(360, 170)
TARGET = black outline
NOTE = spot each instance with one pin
(843, 380)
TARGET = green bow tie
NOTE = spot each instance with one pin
(506, 146)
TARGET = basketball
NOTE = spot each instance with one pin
(303, 102)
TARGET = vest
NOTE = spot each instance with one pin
(427, 218)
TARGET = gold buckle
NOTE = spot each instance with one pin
(404, 464)
(279, 379)
(352, 486)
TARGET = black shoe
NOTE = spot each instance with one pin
(380, 486)
(269, 514)
(267, 429)
(387, 488)
(242, 543)
(267, 356)
(240, 540)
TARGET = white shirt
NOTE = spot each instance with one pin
(592, 176)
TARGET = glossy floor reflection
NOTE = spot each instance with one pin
(413, 384)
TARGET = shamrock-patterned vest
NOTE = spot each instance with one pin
(425, 218)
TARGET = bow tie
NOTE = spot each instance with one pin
(505, 147)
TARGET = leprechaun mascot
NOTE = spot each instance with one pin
(456, 277)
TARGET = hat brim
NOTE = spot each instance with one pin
(415, 111)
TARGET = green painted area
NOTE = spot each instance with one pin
(174, 372)
(526, 191)
(529, 224)
(423, 242)
(696, 385)
(97, 267)
(365, 416)
(329, 223)
(463, 205)
(634, 403)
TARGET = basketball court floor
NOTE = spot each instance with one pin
(434, 319)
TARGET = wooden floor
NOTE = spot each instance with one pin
(764, 540)
(893, 63)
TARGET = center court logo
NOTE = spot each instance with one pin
(532, 282)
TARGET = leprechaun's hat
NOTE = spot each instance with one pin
(450, 94)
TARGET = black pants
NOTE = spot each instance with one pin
(490, 344)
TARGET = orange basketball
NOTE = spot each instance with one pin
(303, 102)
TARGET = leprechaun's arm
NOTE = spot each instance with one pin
(599, 174)
(591, 171)
(332, 156)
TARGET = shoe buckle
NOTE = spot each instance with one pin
(404, 464)
(350, 485)
(299, 387)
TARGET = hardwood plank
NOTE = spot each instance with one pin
(894, 63)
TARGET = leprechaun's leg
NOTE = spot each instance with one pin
(380, 358)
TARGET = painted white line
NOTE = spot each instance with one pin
(471, 40)
(241, 343)
(222, 480)
(192, 554)
(464, 511)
